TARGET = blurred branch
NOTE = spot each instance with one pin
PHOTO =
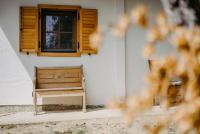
(183, 12)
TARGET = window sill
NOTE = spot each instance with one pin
(59, 54)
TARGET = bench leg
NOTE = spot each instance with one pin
(84, 103)
(35, 103)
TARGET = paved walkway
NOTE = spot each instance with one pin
(28, 117)
(92, 122)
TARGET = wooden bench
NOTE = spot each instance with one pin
(59, 82)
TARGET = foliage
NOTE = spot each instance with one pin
(184, 66)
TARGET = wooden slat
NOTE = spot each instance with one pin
(57, 85)
(65, 67)
(28, 48)
(88, 29)
(89, 19)
(89, 13)
(59, 7)
(60, 93)
(59, 89)
(32, 13)
(46, 76)
(55, 71)
(88, 25)
(29, 29)
(59, 80)
(28, 34)
(28, 40)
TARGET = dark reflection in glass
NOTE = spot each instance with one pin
(66, 23)
(59, 29)
(66, 40)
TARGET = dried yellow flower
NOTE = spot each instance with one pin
(154, 35)
(184, 126)
(120, 29)
(180, 40)
(162, 23)
(165, 104)
(148, 95)
(154, 129)
(195, 43)
(139, 16)
(96, 40)
(118, 32)
(148, 50)
(169, 62)
(116, 104)
(124, 22)
(161, 19)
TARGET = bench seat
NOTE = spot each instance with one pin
(60, 93)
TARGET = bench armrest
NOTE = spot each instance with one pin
(34, 84)
(83, 82)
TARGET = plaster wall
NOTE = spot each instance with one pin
(101, 70)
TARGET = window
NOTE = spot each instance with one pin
(57, 30)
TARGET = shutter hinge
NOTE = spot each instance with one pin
(21, 18)
(78, 16)
(39, 44)
(39, 15)
(78, 45)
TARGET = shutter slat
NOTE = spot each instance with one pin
(89, 19)
(88, 25)
(29, 29)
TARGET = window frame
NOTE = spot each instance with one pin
(60, 8)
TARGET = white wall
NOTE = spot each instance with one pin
(136, 65)
(117, 69)
(105, 72)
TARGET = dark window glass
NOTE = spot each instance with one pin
(59, 30)
(66, 40)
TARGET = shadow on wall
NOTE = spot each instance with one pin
(15, 82)
(15, 79)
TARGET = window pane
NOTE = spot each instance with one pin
(66, 40)
(52, 23)
(51, 40)
(67, 21)
(65, 24)
(59, 29)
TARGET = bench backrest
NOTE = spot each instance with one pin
(58, 77)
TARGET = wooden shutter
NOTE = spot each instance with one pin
(29, 29)
(88, 25)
